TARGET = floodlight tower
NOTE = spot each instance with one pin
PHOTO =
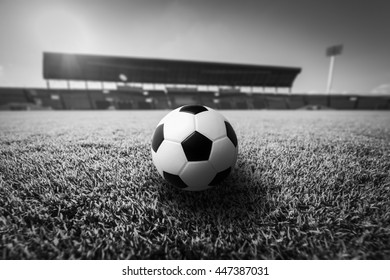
(332, 52)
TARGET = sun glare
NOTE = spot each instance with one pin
(62, 30)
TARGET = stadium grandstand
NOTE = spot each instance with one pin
(144, 83)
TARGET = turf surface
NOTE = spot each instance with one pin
(307, 185)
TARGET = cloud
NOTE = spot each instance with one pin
(381, 89)
(1, 71)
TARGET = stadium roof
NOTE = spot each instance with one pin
(63, 66)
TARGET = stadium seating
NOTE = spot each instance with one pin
(178, 100)
(227, 99)
(295, 101)
(241, 105)
(343, 102)
(137, 98)
(124, 105)
(276, 101)
(99, 100)
(373, 103)
(103, 104)
(15, 99)
(226, 102)
(182, 96)
(224, 105)
(207, 98)
(48, 99)
(159, 99)
(145, 105)
(234, 99)
(127, 99)
(259, 101)
(316, 101)
(76, 100)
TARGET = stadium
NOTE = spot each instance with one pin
(77, 181)
(125, 83)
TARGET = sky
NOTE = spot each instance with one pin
(265, 32)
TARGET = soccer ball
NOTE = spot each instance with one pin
(194, 147)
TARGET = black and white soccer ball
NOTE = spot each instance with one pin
(194, 147)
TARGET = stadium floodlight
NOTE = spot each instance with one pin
(332, 52)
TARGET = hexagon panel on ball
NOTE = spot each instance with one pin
(210, 124)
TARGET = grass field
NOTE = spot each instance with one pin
(307, 185)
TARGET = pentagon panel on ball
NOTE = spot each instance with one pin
(194, 147)
(197, 147)
(193, 109)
